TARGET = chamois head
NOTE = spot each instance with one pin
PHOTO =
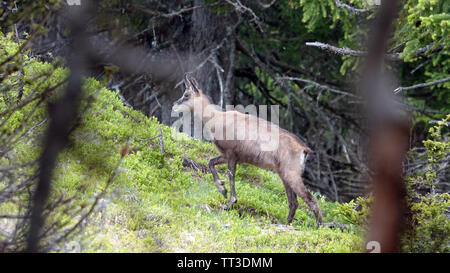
(191, 94)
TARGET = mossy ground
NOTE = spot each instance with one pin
(157, 205)
(154, 204)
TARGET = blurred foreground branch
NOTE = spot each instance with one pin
(389, 137)
(63, 113)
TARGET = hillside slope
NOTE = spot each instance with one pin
(160, 206)
(158, 202)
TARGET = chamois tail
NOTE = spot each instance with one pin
(304, 156)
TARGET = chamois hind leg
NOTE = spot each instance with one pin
(301, 191)
(219, 183)
(232, 171)
(295, 181)
(293, 203)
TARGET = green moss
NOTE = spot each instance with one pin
(191, 218)
(155, 204)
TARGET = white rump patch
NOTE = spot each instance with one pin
(302, 159)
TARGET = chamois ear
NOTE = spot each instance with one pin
(195, 85)
(186, 81)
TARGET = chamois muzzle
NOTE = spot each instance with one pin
(177, 105)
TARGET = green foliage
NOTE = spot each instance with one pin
(165, 207)
(315, 12)
(437, 147)
(428, 225)
(420, 24)
(154, 203)
(320, 15)
(357, 217)
(424, 24)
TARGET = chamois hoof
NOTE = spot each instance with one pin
(230, 203)
(223, 191)
(228, 206)
(289, 221)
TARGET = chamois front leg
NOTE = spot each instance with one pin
(232, 170)
(219, 183)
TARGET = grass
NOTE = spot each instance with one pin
(154, 203)
(157, 205)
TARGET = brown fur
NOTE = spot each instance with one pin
(286, 160)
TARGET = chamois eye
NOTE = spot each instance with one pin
(186, 95)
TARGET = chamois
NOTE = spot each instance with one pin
(287, 158)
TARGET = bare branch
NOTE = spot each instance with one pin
(28, 41)
(197, 167)
(345, 51)
(337, 50)
(230, 72)
(161, 143)
(124, 100)
(266, 6)
(420, 85)
(173, 13)
(438, 122)
(240, 8)
(337, 225)
(159, 136)
(214, 51)
(318, 85)
(341, 5)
